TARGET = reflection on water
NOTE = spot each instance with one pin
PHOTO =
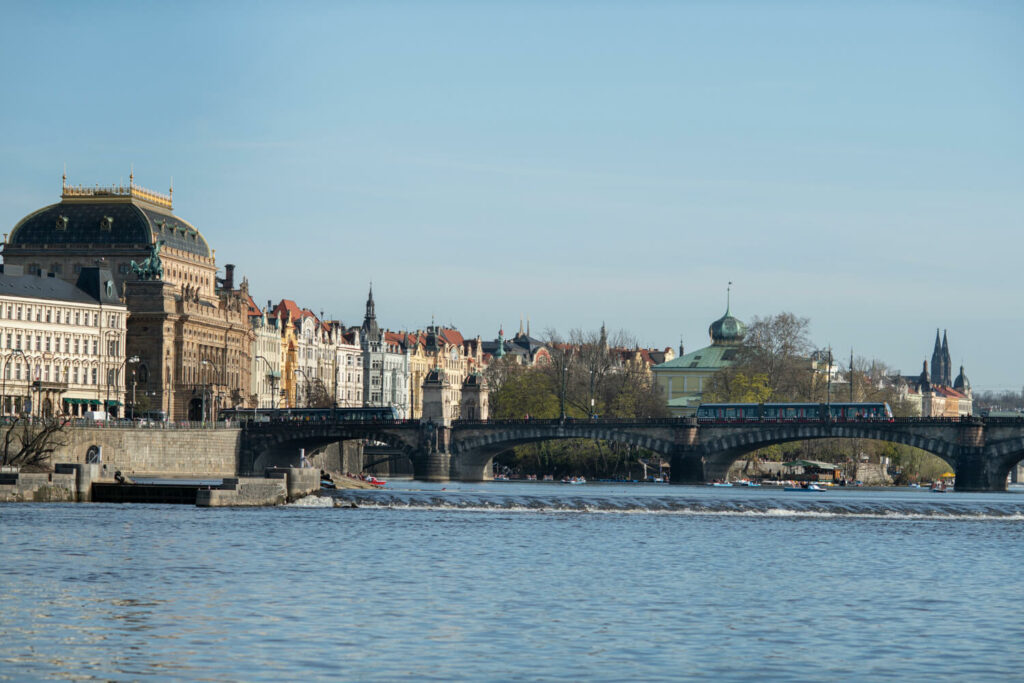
(516, 581)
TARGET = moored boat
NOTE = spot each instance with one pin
(811, 487)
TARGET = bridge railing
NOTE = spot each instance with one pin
(554, 422)
(966, 419)
(276, 423)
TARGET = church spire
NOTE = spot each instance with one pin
(371, 331)
(370, 314)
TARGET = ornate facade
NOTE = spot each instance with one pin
(62, 345)
(192, 337)
(682, 379)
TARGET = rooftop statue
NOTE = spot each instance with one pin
(152, 268)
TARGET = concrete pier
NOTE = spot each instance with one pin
(280, 485)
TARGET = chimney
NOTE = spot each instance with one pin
(229, 276)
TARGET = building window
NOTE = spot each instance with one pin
(106, 223)
(56, 268)
(78, 268)
(62, 223)
(34, 269)
(94, 375)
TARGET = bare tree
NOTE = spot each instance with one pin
(28, 444)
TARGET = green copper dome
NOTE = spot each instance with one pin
(727, 330)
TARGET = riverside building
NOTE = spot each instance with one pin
(189, 331)
(62, 344)
(682, 380)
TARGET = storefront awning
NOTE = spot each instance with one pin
(112, 403)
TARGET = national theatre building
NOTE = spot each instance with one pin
(187, 329)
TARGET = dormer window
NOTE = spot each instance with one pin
(106, 223)
(62, 223)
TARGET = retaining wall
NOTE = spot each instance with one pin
(155, 452)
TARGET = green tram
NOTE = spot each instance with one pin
(793, 412)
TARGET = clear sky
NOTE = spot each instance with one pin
(860, 164)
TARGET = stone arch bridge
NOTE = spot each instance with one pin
(980, 451)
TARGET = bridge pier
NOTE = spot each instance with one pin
(975, 472)
(432, 466)
(687, 467)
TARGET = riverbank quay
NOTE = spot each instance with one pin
(280, 485)
(77, 483)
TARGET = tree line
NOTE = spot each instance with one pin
(590, 374)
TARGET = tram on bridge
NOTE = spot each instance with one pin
(793, 412)
(378, 414)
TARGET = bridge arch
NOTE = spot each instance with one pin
(721, 450)
(474, 451)
(282, 446)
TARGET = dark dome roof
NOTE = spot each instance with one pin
(962, 383)
(131, 224)
(727, 330)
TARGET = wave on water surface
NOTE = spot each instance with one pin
(677, 505)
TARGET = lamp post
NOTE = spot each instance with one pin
(270, 376)
(132, 359)
(565, 376)
(3, 382)
(202, 416)
(306, 377)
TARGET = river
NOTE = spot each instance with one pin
(517, 581)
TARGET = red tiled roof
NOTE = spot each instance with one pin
(453, 337)
(288, 309)
(254, 310)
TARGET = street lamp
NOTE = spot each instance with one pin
(565, 376)
(306, 377)
(271, 377)
(202, 417)
(3, 382)
(132, 359)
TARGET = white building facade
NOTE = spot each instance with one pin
(62, 345)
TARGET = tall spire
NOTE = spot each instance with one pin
(937, 360)
(371, 331)
(728, 297)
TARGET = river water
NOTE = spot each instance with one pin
(516, 581)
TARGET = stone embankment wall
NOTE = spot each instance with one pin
(26, 487)
(346, 456)
(281, 485)
(155, 452)
(67, 484)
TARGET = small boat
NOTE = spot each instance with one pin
(720, 484)
(812, 487)
(327, 484)
(374, 481)
(939, 487)
(575, 481)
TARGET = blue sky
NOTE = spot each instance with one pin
(859, 164)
